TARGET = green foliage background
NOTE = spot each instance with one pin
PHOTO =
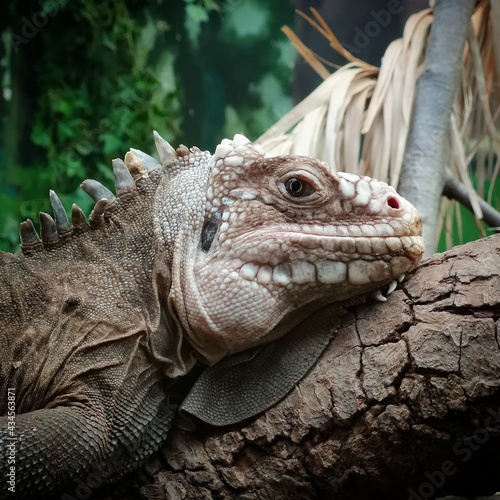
(83, 81)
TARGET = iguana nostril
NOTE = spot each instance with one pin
(393, 202)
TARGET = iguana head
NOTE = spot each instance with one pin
(256, 243)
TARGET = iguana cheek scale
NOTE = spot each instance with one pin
(200, 257)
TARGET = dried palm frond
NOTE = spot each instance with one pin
(358, 119)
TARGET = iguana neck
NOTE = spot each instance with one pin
(179, 225)
(110, 281)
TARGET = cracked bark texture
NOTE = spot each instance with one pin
(404, 403)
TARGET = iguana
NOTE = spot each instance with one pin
(198, 258)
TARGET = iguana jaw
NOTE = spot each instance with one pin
(263, 253)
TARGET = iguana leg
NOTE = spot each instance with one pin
(142, 419)
(74, 449)
(248, 383)
(49, 446)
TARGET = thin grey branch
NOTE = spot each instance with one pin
(455, 190)
(427, 149)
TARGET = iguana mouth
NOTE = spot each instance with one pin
(276, 246)
(336, 260)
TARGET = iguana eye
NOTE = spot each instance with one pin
(298, 188)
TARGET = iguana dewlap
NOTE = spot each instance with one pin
(197, 258)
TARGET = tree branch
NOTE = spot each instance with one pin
(455, 190)
(427, 149)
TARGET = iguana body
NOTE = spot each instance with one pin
(198, 258)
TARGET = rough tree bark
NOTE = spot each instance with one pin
(405, 399)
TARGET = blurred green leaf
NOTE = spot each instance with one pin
(112, 143)
(105, 75)
(197, 13)
(40, 136)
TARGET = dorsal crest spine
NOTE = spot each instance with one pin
(135, 166)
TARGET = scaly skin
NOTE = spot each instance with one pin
(198, 258)
(274, 253)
